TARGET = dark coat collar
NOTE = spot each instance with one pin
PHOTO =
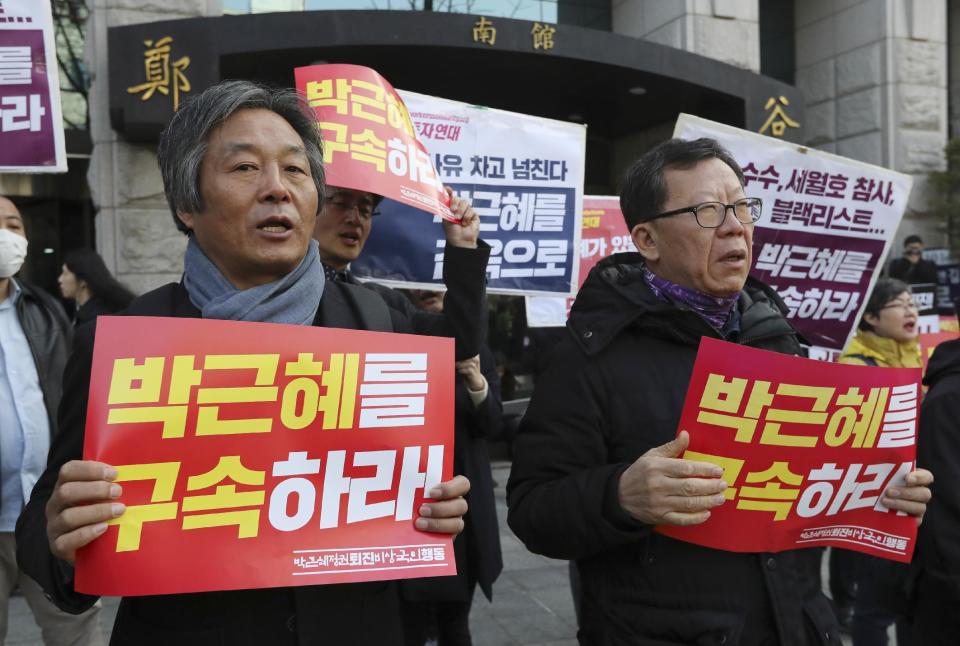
(615, 297)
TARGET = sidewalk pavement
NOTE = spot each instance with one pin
(531, 605)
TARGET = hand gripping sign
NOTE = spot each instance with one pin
(524, 177)
(806, 452)
(369, 142)
(300, 453)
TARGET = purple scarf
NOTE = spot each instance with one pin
(714, 309)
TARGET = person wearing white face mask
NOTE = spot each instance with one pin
(35, 338)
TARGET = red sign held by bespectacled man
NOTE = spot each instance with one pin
(806, 452)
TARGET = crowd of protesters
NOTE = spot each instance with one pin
(596, 461)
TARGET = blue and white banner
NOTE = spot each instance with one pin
(524, 176)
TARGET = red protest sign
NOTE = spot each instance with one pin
(300, 453)
(807, 453)
(369, 141)
(948, 323)
(603, 232)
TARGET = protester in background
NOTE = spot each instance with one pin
(936, 620)
(887, 334)
(243, 175)
(912, 268)
(34, 341)
(342, 229)
(596, 463)
(439, 607)
(508, 381)
(86, 280)
(887, 337)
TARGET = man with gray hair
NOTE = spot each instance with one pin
(242, 172)
(597, 462)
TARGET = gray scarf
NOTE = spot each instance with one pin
(294, 299)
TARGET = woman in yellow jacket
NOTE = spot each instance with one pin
(888, 330)
(887, 337)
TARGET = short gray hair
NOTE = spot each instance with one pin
(643, 190)
(183, 142)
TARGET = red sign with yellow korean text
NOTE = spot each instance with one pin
(257, 455)
(806, 452)
(369, 142)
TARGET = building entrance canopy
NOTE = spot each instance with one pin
(617, 85)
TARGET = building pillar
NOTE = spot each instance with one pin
(873, 74)
(135, 232)
(724, 30)
(953, 53)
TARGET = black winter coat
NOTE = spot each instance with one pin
(464, 315)
(93, 308)
(938, 449)
(329, 615)
(614, 390)
(477, 548)
(923, 272)
(481, 536)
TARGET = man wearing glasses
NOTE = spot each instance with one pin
(596, 463)
(341, 231)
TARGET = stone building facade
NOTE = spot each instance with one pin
(135, 233)
(873, 73)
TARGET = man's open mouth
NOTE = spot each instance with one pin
(734, 256)
(276, 224)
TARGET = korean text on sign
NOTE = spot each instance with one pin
(524, 177)
(807, 454)
(826, 227)
(603, 233)
(369, 140)
(225, 432)
(31, 123)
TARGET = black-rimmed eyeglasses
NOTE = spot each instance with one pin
(710, 215)
(906, 307)
(365, 211)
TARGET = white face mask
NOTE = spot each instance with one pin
(13, 251)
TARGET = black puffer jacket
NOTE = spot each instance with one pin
(938, 449)
(615, 390)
